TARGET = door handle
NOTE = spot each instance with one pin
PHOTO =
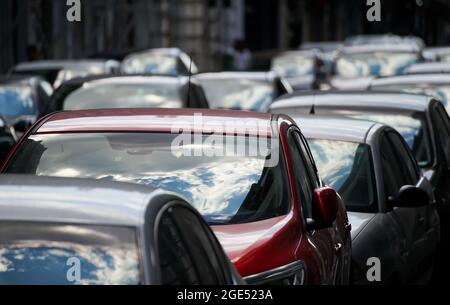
(420, 219)
(338, 248)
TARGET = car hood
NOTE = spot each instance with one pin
(242, 241)
(359, 221)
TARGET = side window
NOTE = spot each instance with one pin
(442, 123)
(309, 160)
(406, 161)
(303, 185)
(391, 171)
(189, 253)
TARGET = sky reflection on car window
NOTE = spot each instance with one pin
(239, 94)
(16, 101)
(374, 64)
(225, 189)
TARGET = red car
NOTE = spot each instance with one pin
(275, 219)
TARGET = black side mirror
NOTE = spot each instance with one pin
(410, 196)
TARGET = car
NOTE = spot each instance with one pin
(389, 202)
(357, 65)
(436, 84)
(22, 100)
(253, 91)
(57, 72)
(250, 175)
(128, 91)
(428, 68)
(302, 69)
(79, 231)
(420, 119)
(161, 61)
(7, 139)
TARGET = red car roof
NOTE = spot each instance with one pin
(157, 120)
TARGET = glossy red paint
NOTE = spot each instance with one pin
(253, 247)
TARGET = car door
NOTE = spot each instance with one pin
(399, 169)
(322, 240)
(189, 253)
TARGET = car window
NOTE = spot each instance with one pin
(303, 185)
(407, 163)
(347, 167)
(308, 159)
(188, 253)
(228, 187)
(44, 253)
(442, 130)
(394, 176)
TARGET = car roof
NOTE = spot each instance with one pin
(264, 76)
(56, 64)
(333, 128)
(164, 51)
(73, 200)
(428, 67)
(355, 99)
(434, 78)
(157, 120)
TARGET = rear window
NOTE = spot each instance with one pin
(59, 254)
(129, 95)
(226, 188)
(347, 167)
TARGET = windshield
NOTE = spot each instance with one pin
(411, 126)
(77, 71)
(101, 95)
(58, 254)
(440, 91)
(225, 189)
(346, 167)
(374, 64)
(239, 93)
(293, 65)
(17, 101)
(150, 64)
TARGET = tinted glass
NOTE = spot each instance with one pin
(202, 247)
(129, 95)
(406, 161)
(44, 253)
(346, 167)
(303, 183)
(16, 101)
(238, 93)
(232, 188)
(374, 64)
(442, 130)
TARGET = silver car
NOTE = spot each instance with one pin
(75, 231)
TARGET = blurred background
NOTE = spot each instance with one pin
(205, 29)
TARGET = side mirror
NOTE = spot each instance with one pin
(326, 203)
(410, 196)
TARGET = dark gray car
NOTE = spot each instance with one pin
(76, 231)
(389, 203)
